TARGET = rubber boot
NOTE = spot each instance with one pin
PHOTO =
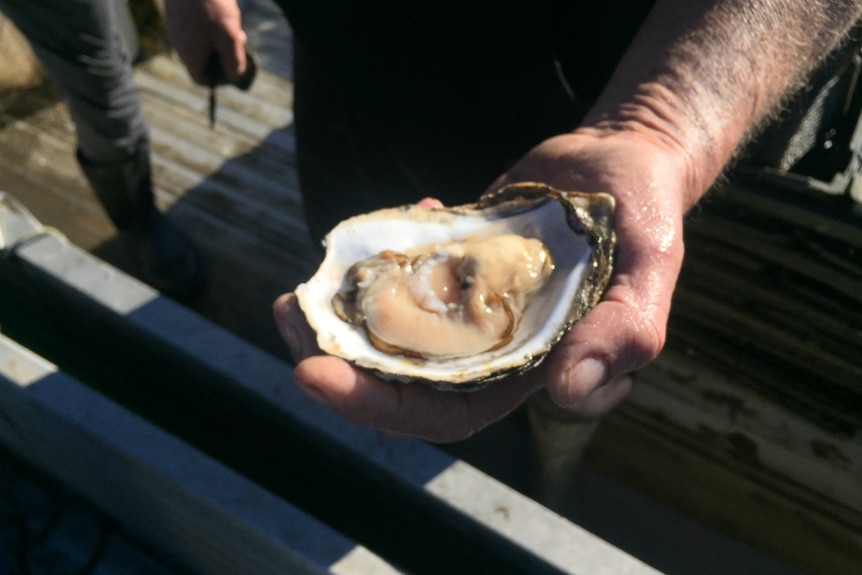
(162, 254)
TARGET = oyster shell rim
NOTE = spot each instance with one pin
(590, 214)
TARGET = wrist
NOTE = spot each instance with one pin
(698, 144)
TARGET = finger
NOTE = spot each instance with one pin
(231, 48)
(621, 334)
(594, 405)
(430, 203)
(412, 409)
(195, 58)
(627, 329)
(294, 328)
(602, 400)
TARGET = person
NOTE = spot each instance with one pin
(79, 46)
(648, 101)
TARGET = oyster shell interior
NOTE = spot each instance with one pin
(445, 300)
(458, 297)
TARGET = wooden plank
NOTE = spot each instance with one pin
(165, 82)
(234, 190)
(38, 166)
(269, 36)
(712, 479)
(749, 419)
(769, 295)
(244, 275)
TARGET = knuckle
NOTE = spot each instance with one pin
(648, 341)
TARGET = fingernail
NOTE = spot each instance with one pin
(592, 371)
(588, 374)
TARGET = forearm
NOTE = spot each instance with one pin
(700, 75)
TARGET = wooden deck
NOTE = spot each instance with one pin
(234, 189)
(749, 421)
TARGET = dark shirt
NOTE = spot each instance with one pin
(449, 93)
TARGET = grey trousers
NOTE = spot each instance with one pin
(78, 44)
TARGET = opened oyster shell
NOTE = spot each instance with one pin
(460, 296)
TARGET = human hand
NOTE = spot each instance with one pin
(587, 371)
(197, 29)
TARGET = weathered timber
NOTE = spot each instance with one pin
(752, 416)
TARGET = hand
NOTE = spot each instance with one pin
(197, 29)
(587, 372)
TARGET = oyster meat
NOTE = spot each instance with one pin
(458, 297)
(452, 299)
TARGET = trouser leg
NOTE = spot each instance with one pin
(163, 255)
(124, 187)
(78, 45)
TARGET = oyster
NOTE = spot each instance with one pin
(458, 297)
